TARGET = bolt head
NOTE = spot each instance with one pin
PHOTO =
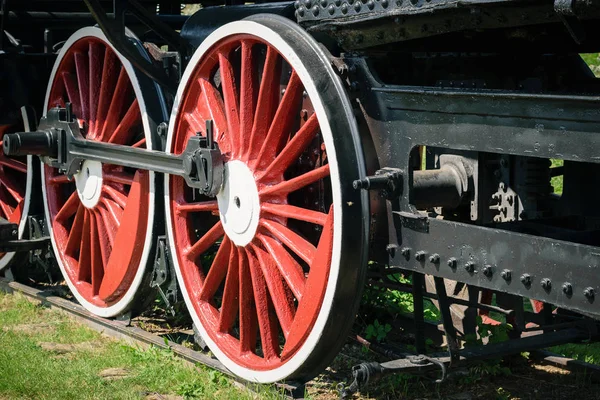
(452, 262)
(434, 258)
(470, 266)
(567, 288)
(420, 255)
(526, 279)
(488, 270)
(405, 252)
(391, 249)
(589, 293)
(506, 274)
(546, 284)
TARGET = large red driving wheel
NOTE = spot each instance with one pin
(101, 221)
(272, 269)
(15, 192)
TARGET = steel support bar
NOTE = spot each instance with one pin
(530, 259)
(127, 156)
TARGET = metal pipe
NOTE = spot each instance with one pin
(442, 187)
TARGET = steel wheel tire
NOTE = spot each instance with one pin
(111, 208)
(298, 338)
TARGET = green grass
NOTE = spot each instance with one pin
(29, 372)
(557, 181)
(586, 352)
(593, 60)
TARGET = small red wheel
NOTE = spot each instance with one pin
(15, 192)
(102, 221)
(272, 269)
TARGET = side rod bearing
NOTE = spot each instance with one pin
(60, 144)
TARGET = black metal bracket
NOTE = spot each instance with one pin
(114, 29)
(164, 273)
(60, 143)
(388, 181)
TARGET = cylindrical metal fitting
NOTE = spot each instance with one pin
(41, 143)
(442, 187)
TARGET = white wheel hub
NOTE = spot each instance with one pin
(89, 183)
(239, 205)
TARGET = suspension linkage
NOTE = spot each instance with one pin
(60, 144)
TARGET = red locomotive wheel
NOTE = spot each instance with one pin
(272, 268)
(15, 192)
(102, 220)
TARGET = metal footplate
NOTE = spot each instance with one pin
(60, 143)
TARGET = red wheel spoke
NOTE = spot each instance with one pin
(76, 231)
(308, 308)
(113, 212)
(68, 209)
(288, 267)
(268, 100)
(83, 82)
(282, 123)
(11, 187)
(197, 207)
(297, 183)
(6, 209)
(204, 242)
(291, 239)
(195, 124)
(294, 148)
(85, 264)
(247, 96)
(104, 237)
(141, 143)
(230, 95)
(248, 318)
(96, 55)
(96, 266)
(217, 272)
(124, 131)
(115, 195)
(58, 179)
(117, 104)
(212, 99)
(281, 298)
(230, 303)
(267, 325)
(301, 214)
(13, 164)
(110, 224)
(110, 75)
(122, 177)
(70, 82)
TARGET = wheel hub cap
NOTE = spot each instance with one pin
(239, 204)
(89, 183)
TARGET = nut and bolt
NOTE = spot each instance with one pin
(434, 258)
(470, 266)
(488, 270)
(452, 263)
(546, 284)
(589, 293)
(420, 255)
(506, 274)
(567, 288)
(526, 280)
(391, 249)
(405, 252)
